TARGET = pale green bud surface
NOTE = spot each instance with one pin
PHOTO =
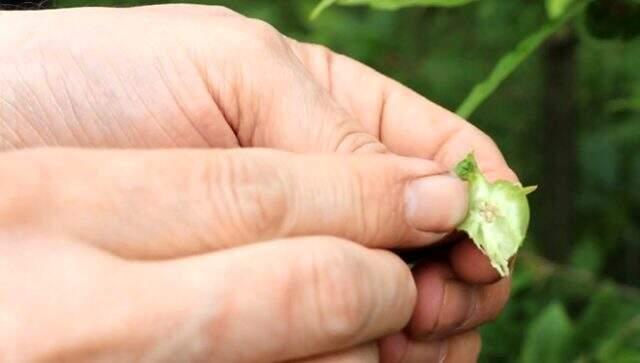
(498, 215)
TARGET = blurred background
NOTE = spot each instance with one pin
(568, 119)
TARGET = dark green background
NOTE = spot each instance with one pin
(567, 120)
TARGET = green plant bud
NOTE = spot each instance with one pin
(498, 215)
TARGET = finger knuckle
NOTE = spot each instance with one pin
(351, 140)
(375, 183)
(325, 55)
(263, 35)
(342, 295)
(251, 192)
(366, 219)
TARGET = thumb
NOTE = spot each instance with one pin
(141, 203)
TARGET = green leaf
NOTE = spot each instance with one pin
(322, 6)
(498, 215)
(587, 255)
(397, 4)
(622, 105)
(591, 329)
(556, 8)
(631, 356)
(549, 337)
(623, 344)
(387, 4)
(510, 61)
(522, 279)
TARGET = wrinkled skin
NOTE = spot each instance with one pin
(205, 77)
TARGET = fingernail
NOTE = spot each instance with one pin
(436, 203)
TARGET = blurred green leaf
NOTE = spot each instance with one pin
(387, 4)
(600, 159)
(626, 132)
(548, 338)
(587, 255)
(555, 8)
(324, 4)
(522, 279)
(619, 347)
(630, 356)
(600, 319)
(397, 4)
(625, 104)
(510, 61)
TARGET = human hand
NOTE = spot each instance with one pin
(202, 76)
(276, 300)
(63, 301)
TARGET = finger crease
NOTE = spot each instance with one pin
(472, 310)
(381, 112)
(329, 64)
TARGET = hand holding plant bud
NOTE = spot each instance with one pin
(241, 240)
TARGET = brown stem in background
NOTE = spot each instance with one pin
(559, 145)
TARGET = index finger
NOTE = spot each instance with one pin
(406, 122)
(411, 125)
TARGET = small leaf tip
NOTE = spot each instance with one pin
(467, 167)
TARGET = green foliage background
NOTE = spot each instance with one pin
(575, 298)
